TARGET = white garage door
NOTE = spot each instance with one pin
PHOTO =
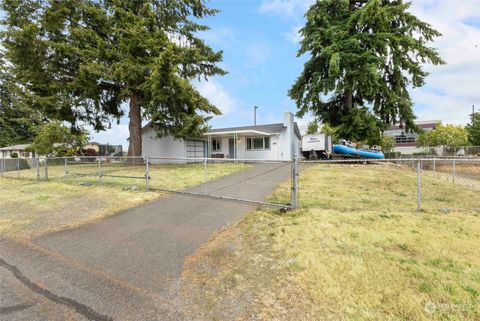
(195, 148)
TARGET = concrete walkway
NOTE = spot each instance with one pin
(126, 267)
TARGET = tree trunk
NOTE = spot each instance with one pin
(348, 100)
(348, 92)
(351, 5)
(135, 127)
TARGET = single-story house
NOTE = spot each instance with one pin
(20, 150)
(279, 141)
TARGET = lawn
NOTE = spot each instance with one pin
(356, 250)
(30, 208)
(118, 174)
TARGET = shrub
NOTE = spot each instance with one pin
(14, 155)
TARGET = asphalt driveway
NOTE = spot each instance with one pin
(126, 267)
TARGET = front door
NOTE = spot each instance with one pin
(231, 148)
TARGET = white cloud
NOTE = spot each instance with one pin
(257, 54)
(117, 135)
(289, 8)
(219, 36)
(293, 35)
(217, 95)
(449, 109)
(453, 88)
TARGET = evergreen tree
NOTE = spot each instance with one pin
(17, 119)
(81, 60)
(364, 56)
(473, 130)
(312, 127)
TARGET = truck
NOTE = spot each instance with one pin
(316, 146)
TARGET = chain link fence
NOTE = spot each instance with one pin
(251, 181)
(433, 184)
(395, 184)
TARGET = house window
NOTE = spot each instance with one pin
(258, 143)
(216, 145)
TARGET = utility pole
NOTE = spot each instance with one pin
(255, 115)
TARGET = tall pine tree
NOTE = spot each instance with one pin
(365, 54)
(81, 60)
(17, 120)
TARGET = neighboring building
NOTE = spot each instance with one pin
(272, 141)
(406, 142)
(105, 149)
(6, 152)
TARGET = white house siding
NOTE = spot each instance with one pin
(288, 140)
(167, 146)
(242, 153)
(270, 154)
(283, 145)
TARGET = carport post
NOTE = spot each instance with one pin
(147, 174)
(419, 197)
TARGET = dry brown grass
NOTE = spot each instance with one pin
(32, 208)
(357, 250)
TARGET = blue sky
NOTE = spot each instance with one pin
(260, 41)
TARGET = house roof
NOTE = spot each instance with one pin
(269, 128)
(263, 129)
(15, 147)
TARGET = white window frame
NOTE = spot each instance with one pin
(252, 148)
(219, 149)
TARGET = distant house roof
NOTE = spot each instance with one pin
(15, 147)
(424, 124)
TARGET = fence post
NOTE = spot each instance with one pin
(18, 167)
(454, 173)
(147, 174)
(294, 196)
(434, 169)
(46, 169)
(100, 169)
(2, 166)
(419, 196)
(205, 176)
(37, 165)
(66, 168)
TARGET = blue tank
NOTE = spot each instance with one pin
(358, 153)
